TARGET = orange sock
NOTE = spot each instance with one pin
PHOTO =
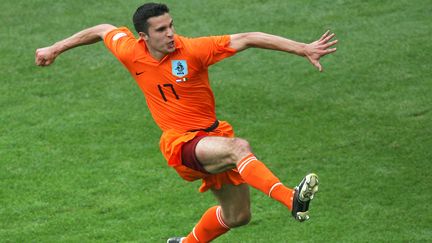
(209, 227)
(256, 174)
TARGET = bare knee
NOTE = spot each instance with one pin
(240, 148)
(239, 219)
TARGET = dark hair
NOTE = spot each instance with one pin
(146, 11)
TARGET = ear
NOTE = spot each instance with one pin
(143, 36)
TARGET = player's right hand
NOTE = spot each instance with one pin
(45, 56)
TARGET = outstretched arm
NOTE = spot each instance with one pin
(312, 51)
(46, 56)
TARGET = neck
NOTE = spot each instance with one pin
(156, 54)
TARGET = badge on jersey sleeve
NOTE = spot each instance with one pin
(179, 68)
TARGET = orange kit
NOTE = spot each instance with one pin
(177, 92)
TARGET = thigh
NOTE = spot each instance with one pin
(219, 154)
(235, 202)
(214, 154)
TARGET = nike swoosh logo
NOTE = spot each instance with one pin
(138, 73)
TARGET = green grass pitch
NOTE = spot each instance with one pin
(79, 158)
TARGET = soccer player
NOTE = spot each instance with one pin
(172, 72)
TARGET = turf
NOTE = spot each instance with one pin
(79, 159)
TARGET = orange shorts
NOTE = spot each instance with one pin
(171, 143)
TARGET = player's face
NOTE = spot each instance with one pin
(160, 38)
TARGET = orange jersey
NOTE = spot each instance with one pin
(176, 88)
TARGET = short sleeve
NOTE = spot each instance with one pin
(213, 49)
(120, 42)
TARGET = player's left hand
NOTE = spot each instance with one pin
(319, 48)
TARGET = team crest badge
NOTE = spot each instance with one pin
(179, 68)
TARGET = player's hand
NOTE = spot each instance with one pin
(319, 48)
(45, 56)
